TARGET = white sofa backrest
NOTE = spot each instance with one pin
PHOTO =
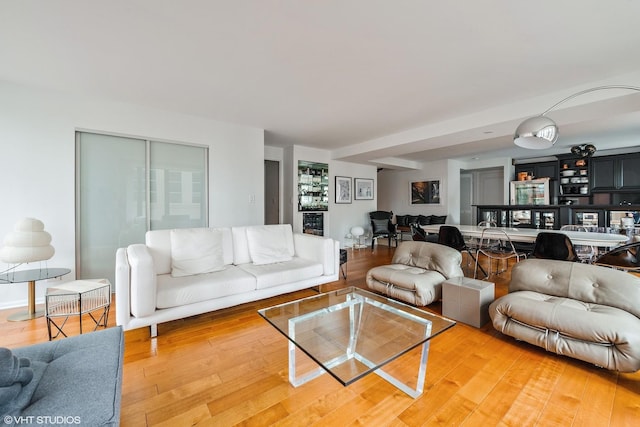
(241, 252)
(582, 282)
(159, 244)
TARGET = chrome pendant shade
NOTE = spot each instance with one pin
(540, 132)
(536, 133)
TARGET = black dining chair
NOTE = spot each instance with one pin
(625, 257)
(449, 235)
(558, 246)
(419, 235)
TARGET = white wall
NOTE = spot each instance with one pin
(394, 189)
(393, 186)
(345, 216)
(339, 219)
(37, 131)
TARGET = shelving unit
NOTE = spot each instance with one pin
(313, 186)
(574, 177)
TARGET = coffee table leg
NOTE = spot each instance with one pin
(422, 371)
(295, 380)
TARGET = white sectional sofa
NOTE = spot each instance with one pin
(184, 272)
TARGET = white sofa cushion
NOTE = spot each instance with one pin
(178, 291)
(241, 245)
(276, 274)
(196, 251)
(159, 244)
(270, 244)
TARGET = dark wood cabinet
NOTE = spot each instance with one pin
(603, 173)
(539, 169)
(615, 173)
(542, 170)
(630, 172)
(546, 169)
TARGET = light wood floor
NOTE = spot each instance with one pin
(230, 368)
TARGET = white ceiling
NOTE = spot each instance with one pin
(382, 81)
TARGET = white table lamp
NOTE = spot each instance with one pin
(28, 242)
(357, 232)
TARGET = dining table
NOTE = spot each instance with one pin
(587, 238)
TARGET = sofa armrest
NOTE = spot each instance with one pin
(122, 288)
(321, 249)
(143, 281)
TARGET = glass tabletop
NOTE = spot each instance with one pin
(21, 276)
(351, 332)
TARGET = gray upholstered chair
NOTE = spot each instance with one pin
(416, 272)
(579, 310)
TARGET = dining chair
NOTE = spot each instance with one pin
(584, 252)
(625, 257)
(449, 235)
(501, 253)
(558, 246)
(474, 242)
(419, 235)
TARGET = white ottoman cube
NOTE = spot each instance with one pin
(467, 300)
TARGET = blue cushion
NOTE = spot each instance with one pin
(81, 377)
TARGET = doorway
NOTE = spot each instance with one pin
(271, 192)
(479, 187)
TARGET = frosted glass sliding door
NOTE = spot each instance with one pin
(126, 186)
(177, 190)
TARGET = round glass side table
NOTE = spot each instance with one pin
(31, 277)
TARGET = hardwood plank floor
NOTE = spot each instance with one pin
(229, 368)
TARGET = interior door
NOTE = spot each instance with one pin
(271, 192)
(466, 199)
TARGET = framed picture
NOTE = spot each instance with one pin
(364, 188)
(343, 189)
(425, 192)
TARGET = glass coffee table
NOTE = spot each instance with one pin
(352, 332)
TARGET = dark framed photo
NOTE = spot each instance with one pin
(364, 188)
(425, 192)
(343, 189)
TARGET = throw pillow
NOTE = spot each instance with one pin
(424, 220)
(435, 219)
(196, 251)
(402, 220)
(269, 244)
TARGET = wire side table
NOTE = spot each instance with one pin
(76, 298)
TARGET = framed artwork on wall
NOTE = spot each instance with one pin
(343, 189)
(364, 188)
(425, 192)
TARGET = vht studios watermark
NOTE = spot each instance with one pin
(42, 420)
